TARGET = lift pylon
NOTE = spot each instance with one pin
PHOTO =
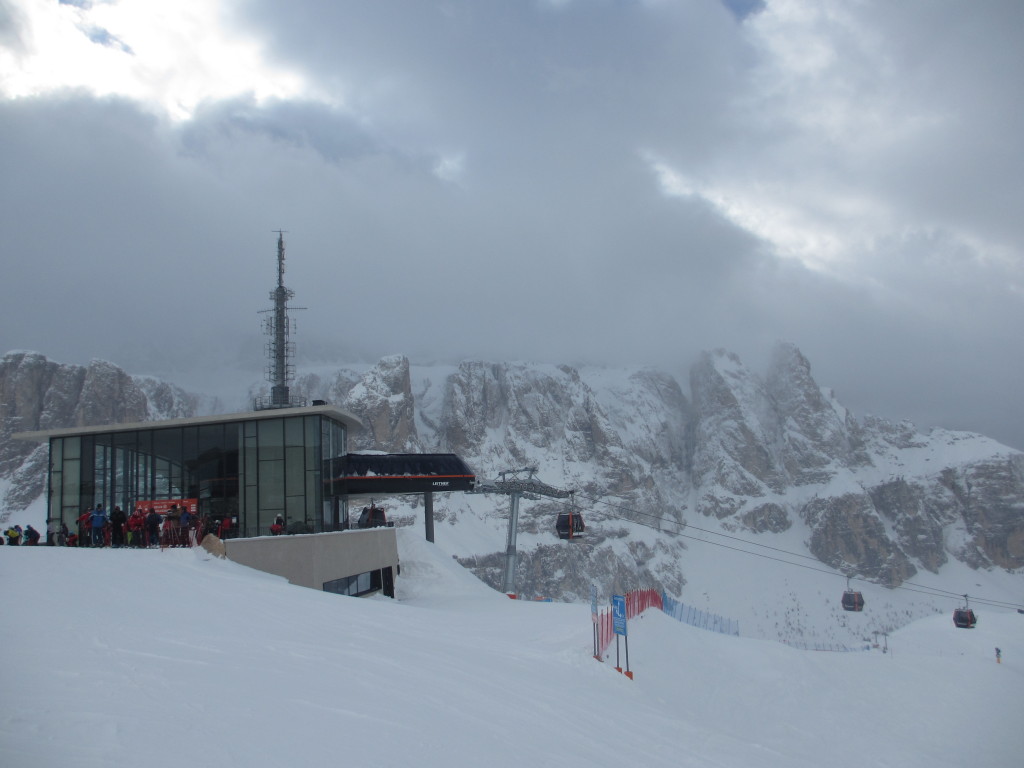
(517, 483)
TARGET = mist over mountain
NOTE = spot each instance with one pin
(770, 458)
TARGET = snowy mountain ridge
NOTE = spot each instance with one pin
(773, 459)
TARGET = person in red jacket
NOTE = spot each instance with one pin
(84, 534)
(136, 522)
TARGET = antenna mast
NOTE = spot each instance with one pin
(277, 325)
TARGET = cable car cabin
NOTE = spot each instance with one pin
(853, 601)
(964, 618)
(373, 517)
(569, 525)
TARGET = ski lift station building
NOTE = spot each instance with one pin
(249, 469)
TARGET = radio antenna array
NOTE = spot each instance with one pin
(277, 325)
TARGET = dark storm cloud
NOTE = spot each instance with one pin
(480, 182)
(515, 79)
(308, 125)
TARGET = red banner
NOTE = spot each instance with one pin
(163, 506)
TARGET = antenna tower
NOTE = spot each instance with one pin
(277, 325)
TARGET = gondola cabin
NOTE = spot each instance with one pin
(373, 517)
(964, 618)
(853, 601)
(569, 525)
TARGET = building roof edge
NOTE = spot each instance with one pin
(40, 436)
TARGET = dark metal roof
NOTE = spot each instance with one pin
(394, 473)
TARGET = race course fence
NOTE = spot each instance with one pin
(698, 618)
(640, 600)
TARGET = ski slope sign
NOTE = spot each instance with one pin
(619, 614)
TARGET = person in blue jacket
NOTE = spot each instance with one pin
(98, 523)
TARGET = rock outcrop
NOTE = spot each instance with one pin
(38, 394)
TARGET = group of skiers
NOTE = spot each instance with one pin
(16, 536)
(179, 527)
(95, 527)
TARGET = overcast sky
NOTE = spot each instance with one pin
(578, 181)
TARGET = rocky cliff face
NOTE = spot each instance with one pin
(880, 500)
(381, 398)
(38, 394)
(747, 455)
(876, 499)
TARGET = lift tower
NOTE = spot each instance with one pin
(517, 483)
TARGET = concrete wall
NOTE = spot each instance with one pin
(312, 559)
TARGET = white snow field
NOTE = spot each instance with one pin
(174, 658)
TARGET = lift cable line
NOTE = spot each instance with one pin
(907, 585)
(697, 528)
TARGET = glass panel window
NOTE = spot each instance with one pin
(271, 440)
(72, 447)
(251, 457)
(295, 481)
(354, 585)
(293, 431)
(56, 494)
(271, 487)
(338, 437)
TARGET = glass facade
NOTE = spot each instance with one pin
(248, 471)
(354, 586)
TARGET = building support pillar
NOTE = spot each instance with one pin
(428, 515)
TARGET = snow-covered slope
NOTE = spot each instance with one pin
(126, 658)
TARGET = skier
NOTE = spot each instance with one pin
(117, 521)
(153, 521)
(98, 521)
(999, 656)
(136, 522)
(83, 527)
(31, 536)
